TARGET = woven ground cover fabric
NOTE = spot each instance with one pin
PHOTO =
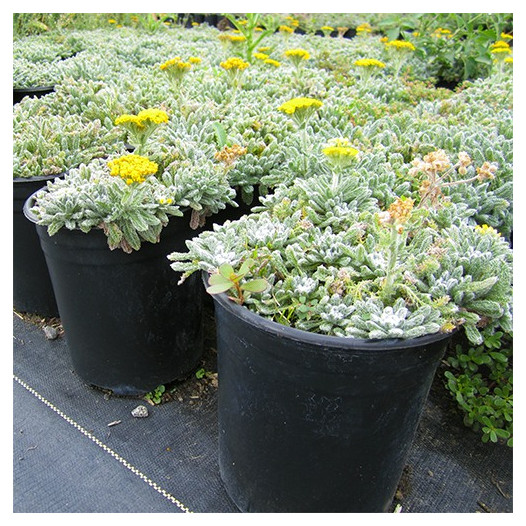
(67, 459)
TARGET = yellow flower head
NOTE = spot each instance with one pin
(272, 62)
(140, 120)
(400, 45)
(292, 106)
(264, 49)
(484, 230)
(340, 152)
(176, 64)
(154, 115)
(369, 63)
(297, 54)
(508, 60)
(195, 60)
(234, 63)
(327, 28)
(112, 21)
(500, 43)
(501, 51)
(260, 56)
(292, 21)
(233, 39)
(384, 40)
(286, 29)
(364, 28)
(440, 32)
(132, 168)
(506, 36)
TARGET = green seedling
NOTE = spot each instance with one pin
(155, 396)
(228, 279)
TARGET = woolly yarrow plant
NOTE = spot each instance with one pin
(338, 264)
(128, 199)
(45, 144)
(304, 241)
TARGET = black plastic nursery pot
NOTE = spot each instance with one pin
(313, 423)
(32, 288)
(128, 324)
(39, 91)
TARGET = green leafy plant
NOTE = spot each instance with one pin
(481, 382)
(247, 27)
(227, 279)
(156, 396)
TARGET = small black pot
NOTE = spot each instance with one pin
(32, 288)
(128, 325)
(20, 93)
(314, 423)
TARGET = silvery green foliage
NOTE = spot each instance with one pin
(48, 144)
(383, 121)
(90, 198)
(199, 183)
(91, 100)
(328, 259)
(27, 74)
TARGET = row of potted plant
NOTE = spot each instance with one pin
(381, 230)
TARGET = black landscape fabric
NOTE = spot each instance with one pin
(78, 449)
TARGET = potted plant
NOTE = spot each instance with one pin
(45, 146)
(105, 229)
(38, 64)
(333, 312)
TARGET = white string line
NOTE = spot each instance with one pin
(103, 446)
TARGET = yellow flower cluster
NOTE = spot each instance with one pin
(272, 62)
(300, 54)
(292, 106)
(132, 168)
(485, 230)
(440, 32)
(327, 28)
(234, 63)
(400, 45)
(141, 119)
(233, 39)
(500, 47)
(363, 28)
(340, 151)
(292, 21)
(286, 29)
(369, 62)
(176, 63)
(506, 36)
(260, 56)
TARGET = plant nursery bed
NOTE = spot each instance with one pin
(79, 449)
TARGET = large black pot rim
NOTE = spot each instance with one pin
(38, 178)
(335, 343)
(36, 89)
